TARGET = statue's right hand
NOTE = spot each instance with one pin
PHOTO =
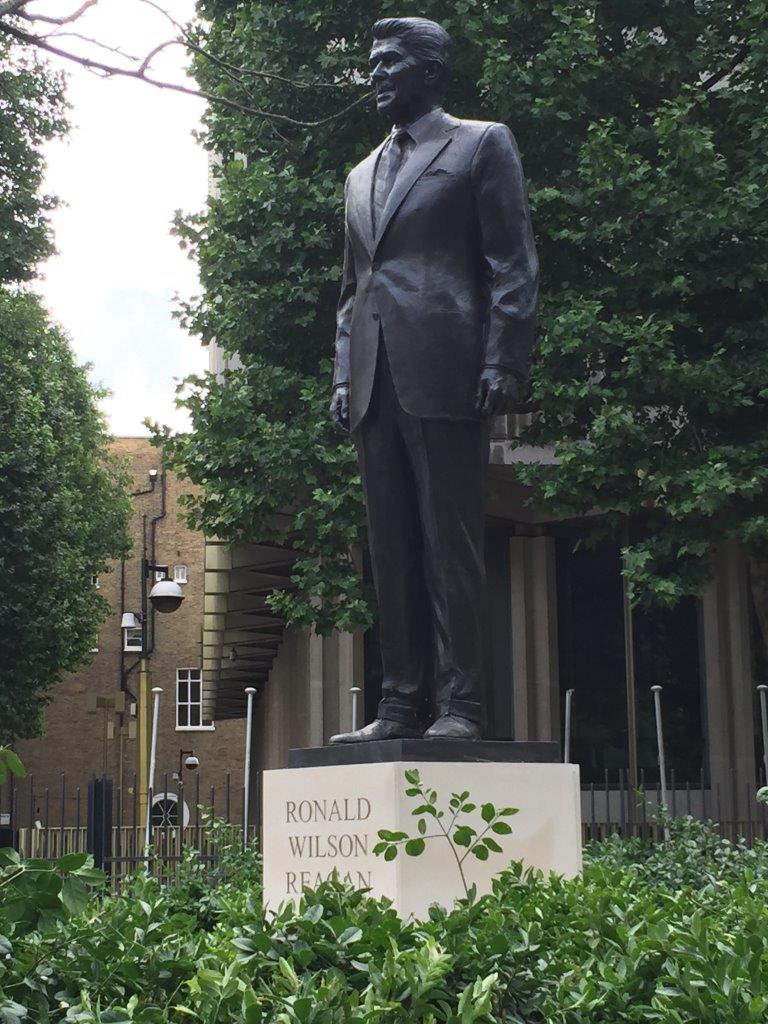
(340, 407)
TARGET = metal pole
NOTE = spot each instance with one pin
(630, 676)
(250, 691)
(763, 691)
(567, 742)
(656, 691)
(355, 691)
(156, 690)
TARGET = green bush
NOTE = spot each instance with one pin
(675, 934)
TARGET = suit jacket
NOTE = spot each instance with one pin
(449, 277)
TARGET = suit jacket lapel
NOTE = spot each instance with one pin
(416, 164)
(361, 194)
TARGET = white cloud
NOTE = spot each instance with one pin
(128, 164)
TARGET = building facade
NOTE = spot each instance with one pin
(93, 724)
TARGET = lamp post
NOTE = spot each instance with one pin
(164, 597)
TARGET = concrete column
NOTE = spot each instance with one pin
(342, 669)
(315, 669)
(534, 638)
(729, 684)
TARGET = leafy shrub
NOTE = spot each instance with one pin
(674, 934)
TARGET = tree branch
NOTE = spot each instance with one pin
(11, 7)
(718, 76)
(92, 41)
(110, 70)
(153, 53)
(66, 20)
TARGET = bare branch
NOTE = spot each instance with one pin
(11, 7)
(92, 41)
(110, 70)
(741, 54)
(235, 72)
(153, 53)
(166, 14)
(66, 20)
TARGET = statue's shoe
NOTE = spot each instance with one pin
(454, 727)
(380, 729)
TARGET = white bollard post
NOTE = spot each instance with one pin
(656, 691)
(355, 691)
(567, 740)
(156, 690)
(250, 691)
(763, 691)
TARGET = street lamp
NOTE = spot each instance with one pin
(190, 762)
(165, 597)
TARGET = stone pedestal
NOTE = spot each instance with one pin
(326, 817)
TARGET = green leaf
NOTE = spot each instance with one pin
(480, 852)
(501, 828)
(74, 895)
(72, 861)
(390, 853)
(414, 847)
(14, 763)
(492, 844)
(488, 812)
(463, 835)
(302, 1007)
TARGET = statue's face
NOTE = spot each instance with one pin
(399, 78)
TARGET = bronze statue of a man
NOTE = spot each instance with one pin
(435, 329)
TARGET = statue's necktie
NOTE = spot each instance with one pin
(390, 162)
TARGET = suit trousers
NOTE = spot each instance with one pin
(424, 482)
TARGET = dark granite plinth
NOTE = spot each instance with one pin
(424, 750)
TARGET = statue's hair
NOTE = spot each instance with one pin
(425, 39)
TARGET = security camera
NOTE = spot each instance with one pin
(166, 596)
(192, 762)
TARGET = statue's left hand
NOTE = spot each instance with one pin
(496, 392)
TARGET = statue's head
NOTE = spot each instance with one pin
(409, 65)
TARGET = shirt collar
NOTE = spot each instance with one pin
(423, 127)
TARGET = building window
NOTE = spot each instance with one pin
(161, 573)
(179, 574)
(132, 641)
(189, 700)
(593, 661)
(165, 811)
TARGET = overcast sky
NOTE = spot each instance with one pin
(128, 164)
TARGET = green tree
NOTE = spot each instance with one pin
(32, 110)
(63, 504)
(642, 126)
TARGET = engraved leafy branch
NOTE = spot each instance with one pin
(462, 838)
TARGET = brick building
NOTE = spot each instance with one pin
(92, 725)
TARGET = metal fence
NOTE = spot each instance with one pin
(107, 820)
(615, 806)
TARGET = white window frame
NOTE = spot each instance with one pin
(180, 574)
(95, 582)
(172, 798)
(135, 632)
(161, 573)
(191, 675)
